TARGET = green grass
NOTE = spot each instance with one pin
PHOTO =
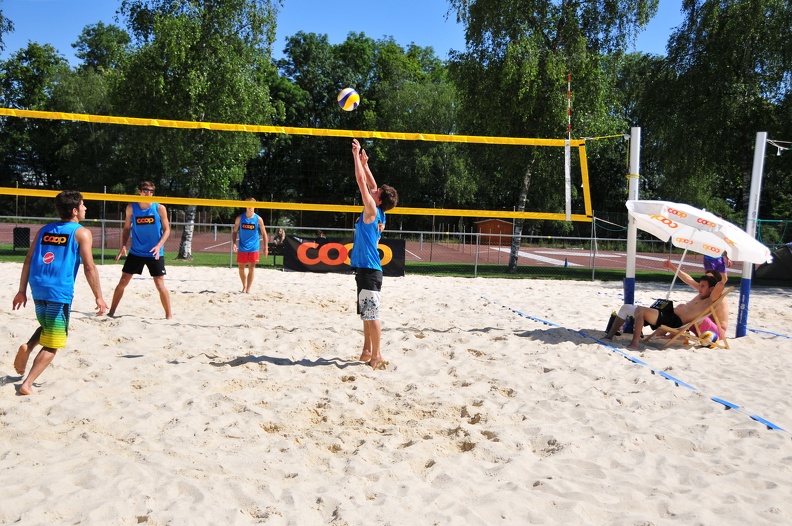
(7, 255)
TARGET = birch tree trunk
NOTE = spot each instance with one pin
(185, 246)
(518, 223)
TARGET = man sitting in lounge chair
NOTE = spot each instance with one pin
(722, 309)
(710, 288)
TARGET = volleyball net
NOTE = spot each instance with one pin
(567, 146)
(464, 236)
(774, 232)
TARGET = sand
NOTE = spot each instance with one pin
(249, 409)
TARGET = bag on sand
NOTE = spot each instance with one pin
(663, 306)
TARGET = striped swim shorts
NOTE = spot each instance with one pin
(54, 320)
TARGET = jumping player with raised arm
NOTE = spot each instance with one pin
(365, 258)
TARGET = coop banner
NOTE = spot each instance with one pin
(332, 255)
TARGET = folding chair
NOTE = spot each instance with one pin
(688, 329)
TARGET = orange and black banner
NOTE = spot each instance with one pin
(332, 255)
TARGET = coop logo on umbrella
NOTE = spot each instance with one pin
(710, 248)
(665, 221)
(684, 241)
(680, 214)
(705, 222)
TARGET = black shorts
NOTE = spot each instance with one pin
(370, 280)
(667, 318)
(134, 265)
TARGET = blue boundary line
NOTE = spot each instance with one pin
(677, 382)
(768, 332)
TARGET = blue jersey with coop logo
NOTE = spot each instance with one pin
(55, 262)
(146, 230)
(249, 234)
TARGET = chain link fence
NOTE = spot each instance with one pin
(601, 255)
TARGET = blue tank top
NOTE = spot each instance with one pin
(56, 260)
(364, 249)
(249, 234)
(146, 230)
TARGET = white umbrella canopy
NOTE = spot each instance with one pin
(691, 228)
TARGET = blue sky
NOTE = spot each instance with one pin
(423, 22)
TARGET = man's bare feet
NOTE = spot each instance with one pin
(635, 347)
(21, 360)
(365, 356)
(378, 365)
(26, 390)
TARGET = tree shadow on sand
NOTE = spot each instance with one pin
(555, 335)
(319, 362)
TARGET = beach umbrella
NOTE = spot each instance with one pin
(691, 228)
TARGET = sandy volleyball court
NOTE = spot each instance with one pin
(249, 409)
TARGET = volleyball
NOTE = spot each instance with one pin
(708, 338)
(348, 99)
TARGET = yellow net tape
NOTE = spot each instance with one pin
(320, 132)
(252, 128)
(184, 201)
(619, 135)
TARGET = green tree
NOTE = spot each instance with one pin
(268, 176)
(86, 150)
(777, 195)
(318, 168)
(28, 147)
(401, 89)
(643, 82)
(102, 47)
(518, 53)
(6, 26)
(414, 95)
(727, 78)
(195, 61)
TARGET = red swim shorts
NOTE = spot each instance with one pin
(247, 257)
